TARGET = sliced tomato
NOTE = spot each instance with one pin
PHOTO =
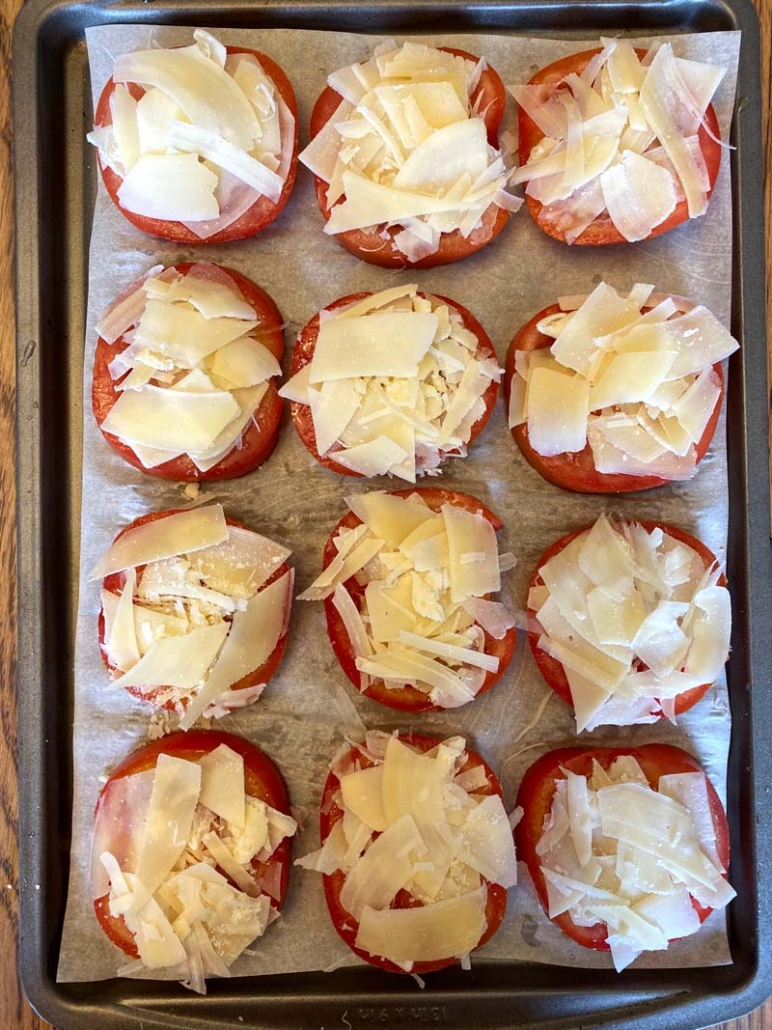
(262, 780)
(603, 231)
(379, 249)
(253, 221)
(535, 798)
(155, 696)
(552, 670)
(576, 470)
(342, 919)
(304, 352)
(409, 698)
(258, 439)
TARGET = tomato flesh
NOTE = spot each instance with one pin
(602, 231)
(114, 584)
(553, 671)
(303, 354)
(535, 797)
(260, 214)
(262, 780)
(260, 436)
(576, 471)
(379, 249)
(408, 698)
(345, 924)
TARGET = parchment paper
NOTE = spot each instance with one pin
(309, 705)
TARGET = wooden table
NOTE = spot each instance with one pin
(15, 1013)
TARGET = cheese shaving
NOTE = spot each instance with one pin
(412, 619)
(395, 384)
(191, 373)
(638, 388)
(631, 857)
(604, 132)
(406, 149)
(208, 137)
(635, 617)
(194, 615)
(433, 836)
(166, 880)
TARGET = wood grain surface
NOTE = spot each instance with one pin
(15, 1014)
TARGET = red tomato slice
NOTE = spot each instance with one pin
(576, 470)
(114, 583)
(535, 798)
(603, 230)
(253, 221)
(371, 246)
(408, 699)
(344, 922)
(262, 780)
(258, 439)
(304, 352)
(552, 670)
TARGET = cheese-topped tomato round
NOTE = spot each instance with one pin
(197, 144)
(417, 852)
(184, 382)
(405, 156)
(637, 382)
(618, 144)
(191, 896)
(407, 584)
(627, 847)
(195, 611)
(391, 383)
(629, 622)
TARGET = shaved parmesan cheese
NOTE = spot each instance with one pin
(446, 929)
(181, 911)
(557, 412)
(365, 346)
(435, 839)
(144, 190)
(389, 517)
(630, 622)
(222, 784)
(604, 132)
(414, 571)
(405, 148)
(196, 375)
(633, 860)
(254, 633)
(176, 788)
(384, 869)
(177, 661)
(201, 109)
(394, 384)
(474, 567)
(638, 388)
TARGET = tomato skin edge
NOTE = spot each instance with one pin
(303, 354)
(330, 814)
(602, 232)
(535, 797)
(575, 471)
(258, 217)
(409, 698)
(262, 433)
(112, 583)
(371, 246)
(262, 780)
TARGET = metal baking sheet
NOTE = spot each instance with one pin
(53, 111)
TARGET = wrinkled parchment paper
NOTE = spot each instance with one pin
(309, 705)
